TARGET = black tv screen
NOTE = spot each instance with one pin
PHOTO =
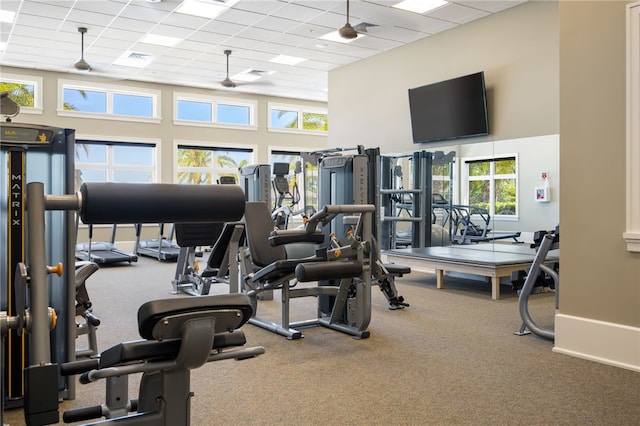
(449, 109)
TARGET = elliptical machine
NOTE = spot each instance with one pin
(544, 241)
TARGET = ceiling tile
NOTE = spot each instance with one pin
(45, 36)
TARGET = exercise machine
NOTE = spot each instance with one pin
(256, 181)
(162, 248)
(103, 252)
(415, 206)
(178, 335)
(346, 262)
(466, 231)
(222, 264)
(544, 242)
(283, 211)
(353, 179)
(45, 154)
(86, 322)
(104, 203)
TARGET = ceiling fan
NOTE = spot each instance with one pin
(227, 81)
(347, 31)
(82, 65)
(350, 32)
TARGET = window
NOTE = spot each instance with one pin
(206, 165)
(441, 179)
(26, 91)
(108, 102)
(197, 110)
(296, 118)
(492, 184)
(107, 161)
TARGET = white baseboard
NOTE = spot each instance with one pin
(599, 341)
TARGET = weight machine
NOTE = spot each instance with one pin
(346, 262)
(354, 179)
(43, 154)
(422, 207)
(178, 333)
(221, 266)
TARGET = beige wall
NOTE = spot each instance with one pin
(165, 132)
(517, 49)
(600, 279)
(552, 68)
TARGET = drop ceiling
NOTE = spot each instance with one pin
(43, 35)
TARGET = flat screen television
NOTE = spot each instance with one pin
(449, 109)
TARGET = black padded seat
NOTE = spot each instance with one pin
(397, 268)
(224, 307)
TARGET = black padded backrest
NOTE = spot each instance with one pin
(230, 311)
(197, 234)
(258, 225)
(222, 244)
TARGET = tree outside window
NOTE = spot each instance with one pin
(492, 185)
(22, 94)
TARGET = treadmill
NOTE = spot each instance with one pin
(162, 249)
(104, 252)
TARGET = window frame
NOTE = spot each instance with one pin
(102, 140)
(465, 179)
(37, 84)
(631, 234)
(300, 110)
(214, 101)
(110, 91)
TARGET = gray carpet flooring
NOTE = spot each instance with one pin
(451, 358)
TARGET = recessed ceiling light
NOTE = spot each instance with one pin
(3, 46)
(160, 40)
(335, 36)
(419, 6)
(287, 60)
(7, 16)
(205, 8)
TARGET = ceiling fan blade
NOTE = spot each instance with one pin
(362, 27)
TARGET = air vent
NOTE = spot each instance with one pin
(134, 59)
(251, 75)
(139, 56)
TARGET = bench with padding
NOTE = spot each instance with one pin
(178, 335)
